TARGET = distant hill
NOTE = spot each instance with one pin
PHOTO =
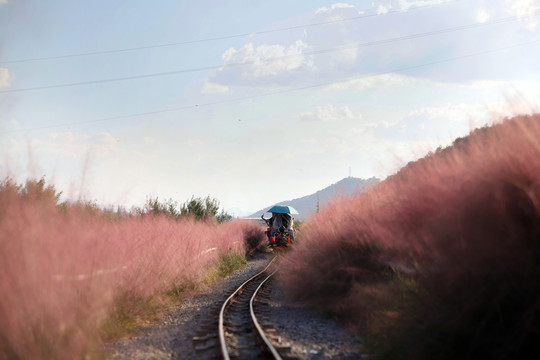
(307, 205)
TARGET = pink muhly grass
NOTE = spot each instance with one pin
(62, 271)
(460, 229)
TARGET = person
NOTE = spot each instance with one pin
(270, 223)
(285, 222)
(276, 222)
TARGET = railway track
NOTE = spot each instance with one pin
(242, 330)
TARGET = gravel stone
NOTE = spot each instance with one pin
(311, 334)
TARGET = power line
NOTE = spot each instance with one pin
(419, 35)
(315, 52)
(303, 88)
(92, 82)
(103, 52)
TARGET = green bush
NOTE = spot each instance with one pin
(203, 209)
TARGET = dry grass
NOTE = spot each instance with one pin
(441, 260)
(70, 277)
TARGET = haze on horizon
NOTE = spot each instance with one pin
(250, 102)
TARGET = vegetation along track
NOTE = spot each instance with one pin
(242, 328)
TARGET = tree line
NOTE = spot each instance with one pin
(38, 191)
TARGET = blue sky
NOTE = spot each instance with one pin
(262, 101)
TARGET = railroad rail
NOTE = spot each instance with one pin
(237, 322)
(242, 325)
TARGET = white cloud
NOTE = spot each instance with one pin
(106, 138)
(336, 52)
(388, 124)
(101, 139)
(482, 16)
(263, 65)
(474, 115)
(4, 76)
(329, 113)
(267, 60)
(384, 6)
(335, 6)
(449, 112)
(368, 82)
(214, 88)
(340, 34)
(67, 136)
(525, 10)
(289, 62)
(3, 1)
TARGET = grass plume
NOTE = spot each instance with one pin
(442, 259)
(70, 277)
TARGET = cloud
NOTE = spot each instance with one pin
(103, 138)
(336, 6)
(329, 113)
(287, 61)
(353, 50)
(267, 60)
(384, 6)
(369, 82)
(449, 112)
(482, 16)
(67, 136)
(474, 115)
(4, 75)
(262, 65)
(525, 10)
(339, 34)
(106, 138)
(214, 88)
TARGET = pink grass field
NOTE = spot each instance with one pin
(62, 271)
(442, 259)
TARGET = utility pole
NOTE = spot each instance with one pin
(349, 191)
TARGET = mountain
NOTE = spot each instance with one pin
(307, 205)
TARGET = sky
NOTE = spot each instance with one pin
(250, 102)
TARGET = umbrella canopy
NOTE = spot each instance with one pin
(282, 210)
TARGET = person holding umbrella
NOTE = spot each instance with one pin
(281, 220)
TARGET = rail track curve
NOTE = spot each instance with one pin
(240, 327)
(241, 335)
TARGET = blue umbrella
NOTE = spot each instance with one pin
(282, 210)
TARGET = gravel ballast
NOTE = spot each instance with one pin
(311, 335)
